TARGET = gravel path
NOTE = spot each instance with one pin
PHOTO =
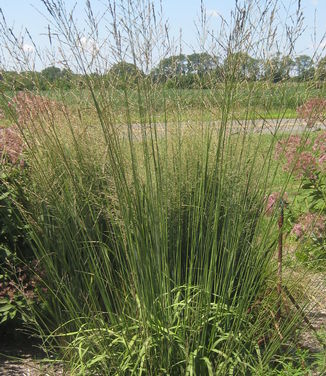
(266, 126)
(21, 356)
(316, 283)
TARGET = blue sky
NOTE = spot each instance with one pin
(180, 13)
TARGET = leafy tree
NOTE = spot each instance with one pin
(243, 66)
(186, 71)
(321, 69)
(171, 67)
(201, 63)
(123, 73)
(304, 67)
(66, 79)
(278, 68)
(51, 73)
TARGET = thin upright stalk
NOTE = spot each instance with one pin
(280, 259)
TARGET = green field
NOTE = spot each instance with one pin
(262, 100)
(249, 100)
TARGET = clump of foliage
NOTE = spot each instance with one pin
(306, 158)
(17, 278)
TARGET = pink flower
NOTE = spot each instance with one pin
(320, 144)
(298, 230)
(11, 145)
(289, 147)
(310, 224)
(274, 200)
(312, 111)
(301, 163)
(29, 107)
(305, 165)
(322, 159)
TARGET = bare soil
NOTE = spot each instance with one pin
(20, 355)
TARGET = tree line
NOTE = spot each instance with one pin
(179, 71)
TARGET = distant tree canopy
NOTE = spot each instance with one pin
(51, 73)
(187, 71)
(321, 69)
(12, 80)
(61, 78)
(123, 73)
(242, 66)
(179, 71)
(278, 68)
(305, 69)
(196, 63)
(201, 63)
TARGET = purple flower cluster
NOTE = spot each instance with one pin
(319, 148)
(309, 224)
(307, 160)
(320, 144)
(313, 111)
(11, 145)
(287, 147)
(29, 106)
(303, 163)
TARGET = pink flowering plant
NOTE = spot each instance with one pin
(11, 146)
(27, 109)
(306, 160)
(313, 111)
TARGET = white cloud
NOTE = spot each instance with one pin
(28, 48)
(314, 2)
(213, 13)
(89, 45)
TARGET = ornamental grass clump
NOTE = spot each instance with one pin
(152, 234)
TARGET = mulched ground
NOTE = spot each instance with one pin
(20, 355)
(316, 283)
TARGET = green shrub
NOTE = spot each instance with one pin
(305, 158)
(17, 281)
